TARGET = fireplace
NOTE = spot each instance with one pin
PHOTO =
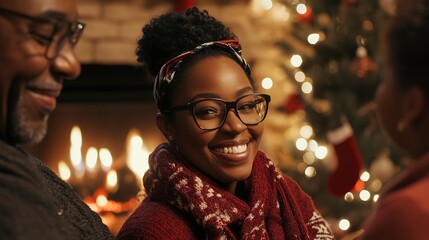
(109, 106)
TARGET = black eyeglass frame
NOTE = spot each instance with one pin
(74, 29)
(228, 106)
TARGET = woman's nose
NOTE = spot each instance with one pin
(233, 124)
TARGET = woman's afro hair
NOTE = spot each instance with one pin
(174, 33)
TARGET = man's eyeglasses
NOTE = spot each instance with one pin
(50, 33)
(211, 113)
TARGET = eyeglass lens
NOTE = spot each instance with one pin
(210, 114)
(64, 32)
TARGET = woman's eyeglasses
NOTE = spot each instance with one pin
(211, 113)
(50, 33)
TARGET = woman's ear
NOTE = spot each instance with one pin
(164, 124)
(416, 107)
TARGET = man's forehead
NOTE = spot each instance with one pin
(48, 8)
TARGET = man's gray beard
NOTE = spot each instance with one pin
(23, 130)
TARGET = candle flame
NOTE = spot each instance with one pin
(105, 158)
(76, 137)
(64, 171)
(112, 180)
(137, 155)
(91, 158)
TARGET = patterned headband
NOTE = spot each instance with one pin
(168, 70)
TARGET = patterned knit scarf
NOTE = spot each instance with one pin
(172, 181)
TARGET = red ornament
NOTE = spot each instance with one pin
(345, 177)
(183, 5)
(307, 17)
(293, 103)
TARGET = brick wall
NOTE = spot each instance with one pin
(113, 28)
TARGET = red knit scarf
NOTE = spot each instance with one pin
(172, 181)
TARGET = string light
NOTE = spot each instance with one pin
(321, 152)
(307, 88)
(310, 172)
(313, 38)
(267, 83)
(365, 176)
(349, 197)
(301, 8)
(296, 60)
(300, 76)
(344, 224)
(306, 131)
(364, 195)
(312, 144)
(301, 144)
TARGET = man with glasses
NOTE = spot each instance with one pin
(37, 40)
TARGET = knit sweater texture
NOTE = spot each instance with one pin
(80, 220)
(26, 211)
(183, 203)
(403, 209)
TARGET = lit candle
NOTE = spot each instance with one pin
(105, 159)
(75, 151)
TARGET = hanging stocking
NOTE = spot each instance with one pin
(343, 179)
(183, 5)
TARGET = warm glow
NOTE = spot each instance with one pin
(349, 197)
(309, 158)
(310, 172)
(306, 131)
(344, 224)
(137, 155)
(300, 76)
(301, 8)
(76, 137)
(267, 83)
(112, 179)
(365, 195)
(307, 88)
(91, 158)
(296, 60)
(280, 12)
(64, 171)
(301, 144)
(365, 176)
(105, 159)
(375, 198)
(321, 152)
(312, 144)
(76, 145)
(101, 200)
(313, 38)
(266, 4)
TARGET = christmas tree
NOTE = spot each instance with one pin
(339, 153)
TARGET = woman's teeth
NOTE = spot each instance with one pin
(233, 149)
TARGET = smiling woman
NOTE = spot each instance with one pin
(210, 180)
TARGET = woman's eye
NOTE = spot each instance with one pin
(207, 112)
(247, 106)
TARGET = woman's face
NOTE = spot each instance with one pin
(390, 101)
(219, 77)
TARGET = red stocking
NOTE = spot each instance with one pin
(183, 5)
(343, 179)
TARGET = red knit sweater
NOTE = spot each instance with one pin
(155, 221)
(182, 203)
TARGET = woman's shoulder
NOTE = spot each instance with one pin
(154, 220)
